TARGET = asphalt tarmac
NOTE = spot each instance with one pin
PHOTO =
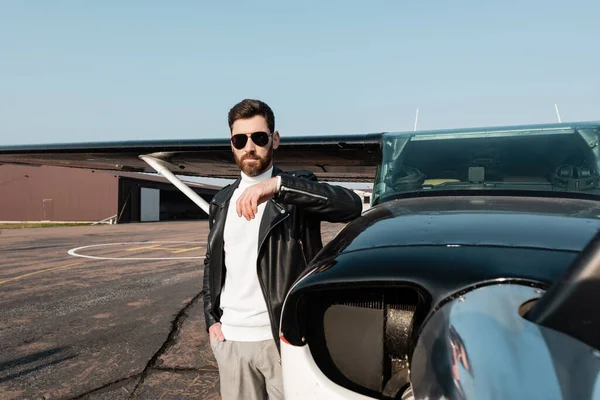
(106, 312)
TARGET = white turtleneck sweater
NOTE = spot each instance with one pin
(245, 316)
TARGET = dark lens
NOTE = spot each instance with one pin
(239, 141)
(260, 138)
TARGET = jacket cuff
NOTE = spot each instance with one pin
(291, 185)
(209, 320)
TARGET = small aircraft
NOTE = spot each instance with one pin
(474, 274)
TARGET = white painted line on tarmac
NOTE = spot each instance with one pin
(74, 252)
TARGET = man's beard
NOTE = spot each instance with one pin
(255, 168)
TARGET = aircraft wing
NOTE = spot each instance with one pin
(341, 158)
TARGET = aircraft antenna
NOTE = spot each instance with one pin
(557, 113)
(416, 119)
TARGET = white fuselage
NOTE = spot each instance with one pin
(302, 378)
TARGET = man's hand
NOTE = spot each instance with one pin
(215, 332)
(247, 204)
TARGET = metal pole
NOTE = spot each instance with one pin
(157, 164)
(416, 120)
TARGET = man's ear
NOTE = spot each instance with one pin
(276, 140)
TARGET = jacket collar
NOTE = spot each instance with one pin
(222, 197)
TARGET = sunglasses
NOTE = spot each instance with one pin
(259, 138)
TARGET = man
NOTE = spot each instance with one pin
(264, 229)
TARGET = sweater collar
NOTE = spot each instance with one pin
(251, 180)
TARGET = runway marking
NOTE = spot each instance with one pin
(190, 249)
(74, 252)
(176, 249)
(144, 248)
(38, 272)
(159, 247)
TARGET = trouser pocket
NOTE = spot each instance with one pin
(214, 342)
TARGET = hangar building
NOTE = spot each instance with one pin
(47, 193)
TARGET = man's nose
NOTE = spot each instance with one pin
(250, 146)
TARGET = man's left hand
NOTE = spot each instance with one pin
(247, 204)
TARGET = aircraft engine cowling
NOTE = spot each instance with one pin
(480, 345)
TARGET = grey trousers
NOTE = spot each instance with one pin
(248, 370)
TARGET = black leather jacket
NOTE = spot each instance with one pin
(289, 237)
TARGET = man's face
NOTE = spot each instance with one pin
(253, 160)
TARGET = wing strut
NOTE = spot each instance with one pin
(158, 165)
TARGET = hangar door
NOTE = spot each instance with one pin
(149, 204)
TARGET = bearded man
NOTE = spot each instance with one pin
(264, 230)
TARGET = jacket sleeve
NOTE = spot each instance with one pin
(209, 318)
(329, 203)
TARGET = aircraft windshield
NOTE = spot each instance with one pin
(561, 158)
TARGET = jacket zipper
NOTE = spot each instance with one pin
(303, 255)
(264, 291)
(302, 192)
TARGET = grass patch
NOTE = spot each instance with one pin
(41, 225)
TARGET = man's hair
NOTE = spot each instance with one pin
(249, 108)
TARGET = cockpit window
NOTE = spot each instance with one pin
(561, 158)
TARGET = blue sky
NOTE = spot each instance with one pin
(127, 70)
